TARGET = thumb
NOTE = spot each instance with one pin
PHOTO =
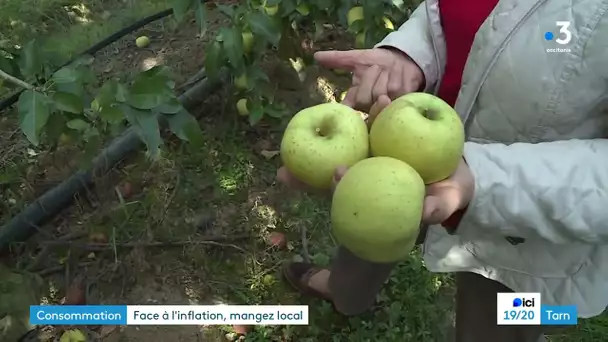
(340, 172)
(346, 60)
(435, 210)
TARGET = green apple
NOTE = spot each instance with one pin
(271, 10)
(360, 40)
(377, 208)
(354, 14)
(241, 82)
(247, 41)
(320, 138)
(423, 131)
(142, 42)
(303, 9)
(241, 107)
(388, 24)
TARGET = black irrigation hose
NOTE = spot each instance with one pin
(97, 47)
(47, 206)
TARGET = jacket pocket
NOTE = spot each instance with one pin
(532, 257)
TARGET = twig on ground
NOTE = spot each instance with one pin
(55, 269)
(36, 263)
(214, 241)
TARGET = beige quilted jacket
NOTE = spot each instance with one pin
(536, 119)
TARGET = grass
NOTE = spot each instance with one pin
(227, 187)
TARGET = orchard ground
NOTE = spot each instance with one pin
(227, 188)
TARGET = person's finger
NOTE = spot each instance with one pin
(364, 98)
(407, 85)
(347, 60)
(377, 107)
(394, 86)
(350, 98)
(381, 86)
(340, 172)
(440, 204)
(288, 179)
(434, 210)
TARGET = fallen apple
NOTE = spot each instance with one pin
(354, 14)
(142, 42)
(277, 239)
(241, 82)
(320, 138)
(388, 24)
(423, 131)
(247, 41)
(303, 9)
(241, 107)
(376, 209)
(360, 40)
(271, 10)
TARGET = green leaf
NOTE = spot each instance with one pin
(149, 92)
(180, 8)
(170, 107)
(320, 259)
(265, 27)
(34, 111)
(91, 150)
(145, 124)
(55, 126)
(213, 59)
(9, 66)
(78, 124)
(200, 13)
(227, 10)
(112, 114)
(31, 59)
(68, 102)
(232, 41)
(185, 127)
(107, 93)
(67, 74)
(256, 114)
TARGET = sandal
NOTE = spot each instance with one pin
(298, 275)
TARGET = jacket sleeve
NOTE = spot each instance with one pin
(414, 39)
(555, 190)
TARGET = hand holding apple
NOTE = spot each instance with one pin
(446, 197)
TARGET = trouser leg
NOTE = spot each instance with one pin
(354, 283)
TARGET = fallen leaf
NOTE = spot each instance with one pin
(241, 329)
(125, 190)
(277, 239)
(73, 335)
(75, 294)
(269, 154)
(98, 238)
(91, 255)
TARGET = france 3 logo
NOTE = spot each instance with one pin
(562, 37)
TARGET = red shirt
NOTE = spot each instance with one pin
(460, 20)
